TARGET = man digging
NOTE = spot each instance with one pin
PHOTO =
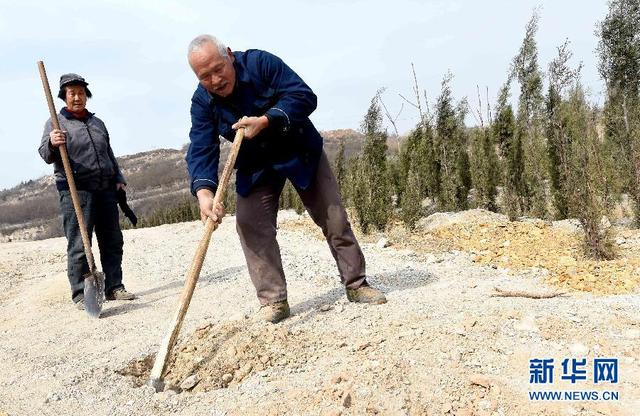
(280, 143)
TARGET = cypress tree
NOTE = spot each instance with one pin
(428, 164)
(289, 199)
(371, 187)
(588, 199)
(510, 149)
(408, 152)
(619, 66)
(560, 77)
(411, 201)
(484, 167)
(339, 168)
(419, 150)
(530, 121)
(450, 146)
(463, 165)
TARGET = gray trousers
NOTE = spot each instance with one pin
(100, 210)
(256, 225)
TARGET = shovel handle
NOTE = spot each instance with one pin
(67, 171)
(194, 272)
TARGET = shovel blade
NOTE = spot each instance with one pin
(93, 293)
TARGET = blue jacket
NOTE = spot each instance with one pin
(290, 147)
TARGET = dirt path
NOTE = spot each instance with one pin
(441, 345)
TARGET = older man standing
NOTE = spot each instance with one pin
(281, 143)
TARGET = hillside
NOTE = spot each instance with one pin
(156, 178)
(442, 345)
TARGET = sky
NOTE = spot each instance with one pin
(133, 54)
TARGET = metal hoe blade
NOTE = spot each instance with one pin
(157, 384)
(94, 293)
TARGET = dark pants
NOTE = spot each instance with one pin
(101, 214)
(256, 225)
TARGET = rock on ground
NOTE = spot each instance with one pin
(441, 345)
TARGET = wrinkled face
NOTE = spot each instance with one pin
(76, 98)
(215, 72)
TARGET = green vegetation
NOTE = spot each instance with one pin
(556, 156)
(544, 152)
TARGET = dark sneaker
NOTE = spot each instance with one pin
(366, 294)
(274, 312)
(120, 294)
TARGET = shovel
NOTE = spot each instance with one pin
(155, 379)
(93, 280)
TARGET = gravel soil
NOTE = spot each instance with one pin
(442, 345)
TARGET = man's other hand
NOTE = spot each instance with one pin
(205, 200)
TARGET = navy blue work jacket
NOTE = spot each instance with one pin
(289, 147)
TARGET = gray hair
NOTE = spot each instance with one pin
(200, 40)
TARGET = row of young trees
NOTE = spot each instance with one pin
(187, 209)
(556, 156)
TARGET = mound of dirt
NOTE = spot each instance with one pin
(554, 250)
(225, 356)
(558, 253)
(138, 369)
(217, 356)
(220, 355)
(445, 219)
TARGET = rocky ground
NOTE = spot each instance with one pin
(442, 345)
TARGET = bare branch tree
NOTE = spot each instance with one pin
(392, 120)
(416, 92)
(479, 110)
(426, 107)
(489, 116)
(409, 102)
(425, 114)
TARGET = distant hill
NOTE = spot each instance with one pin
(156, 178)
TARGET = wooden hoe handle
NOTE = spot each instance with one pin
(194, 272)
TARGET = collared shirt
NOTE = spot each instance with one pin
(291, 146)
